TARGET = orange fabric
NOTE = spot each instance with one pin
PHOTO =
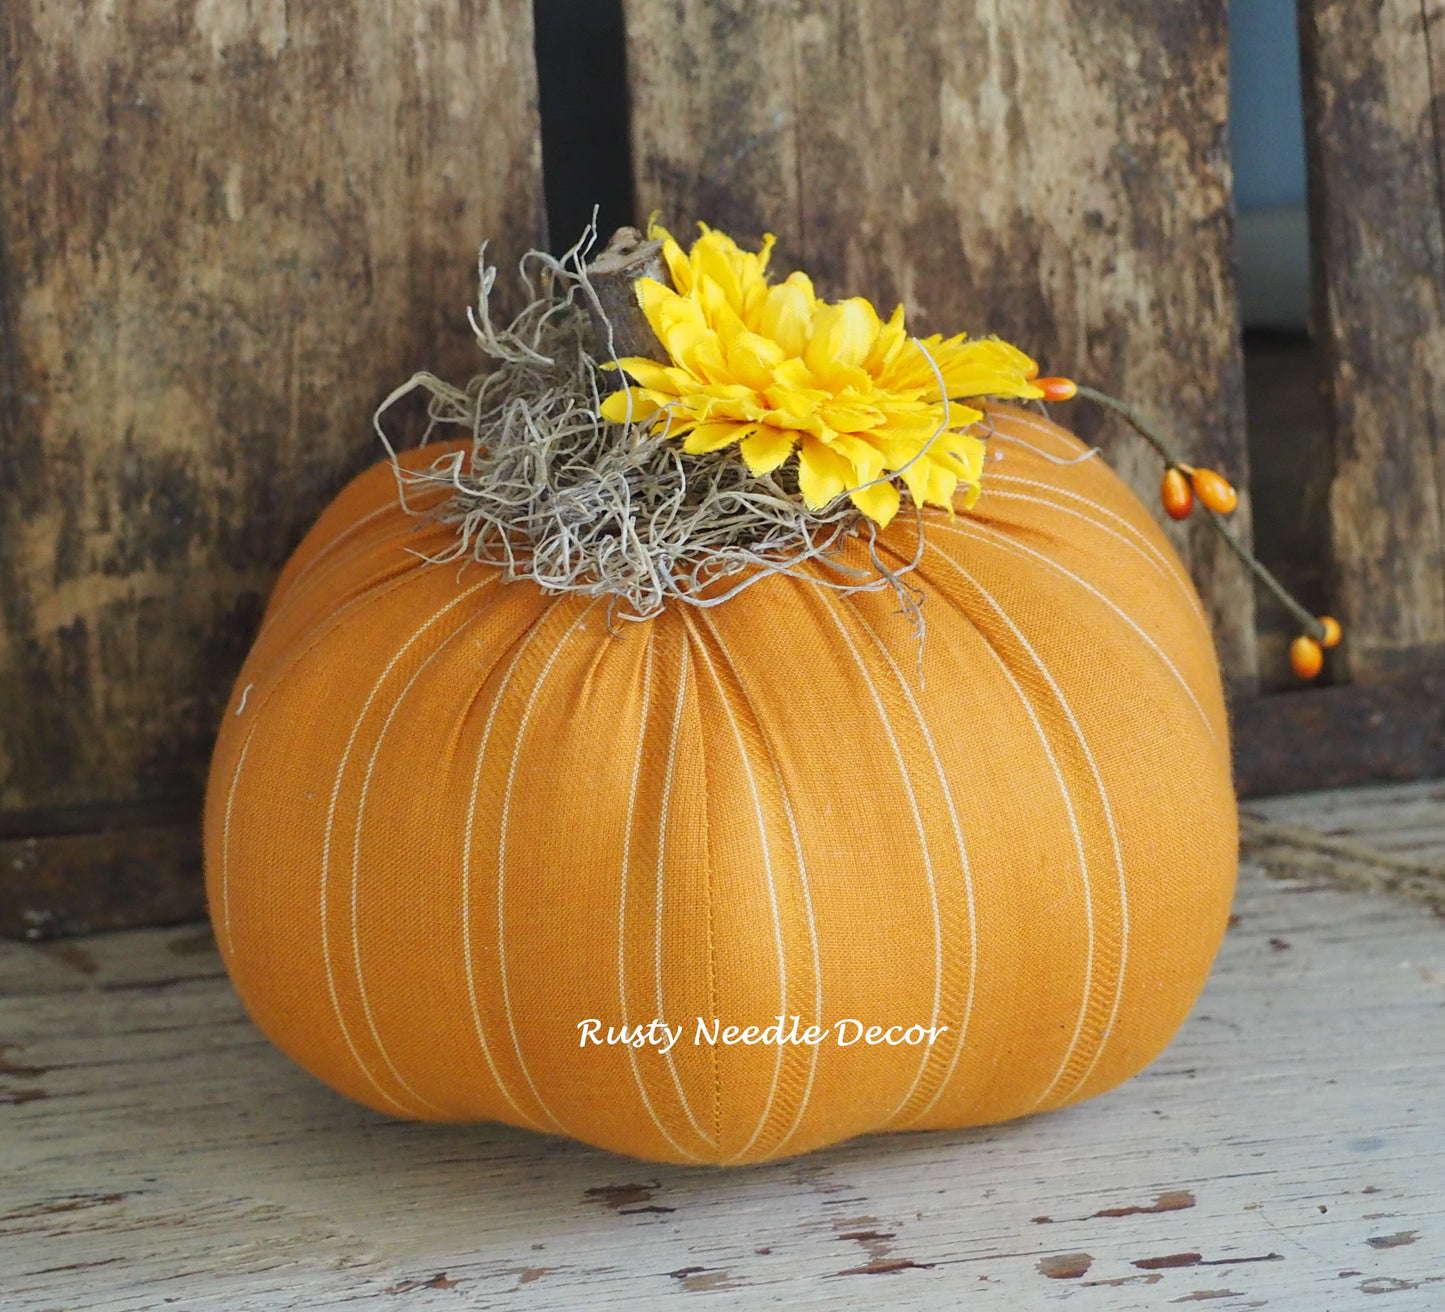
(449, 819)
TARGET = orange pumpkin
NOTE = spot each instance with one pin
(451, 820)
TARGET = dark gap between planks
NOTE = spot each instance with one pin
(582, 88)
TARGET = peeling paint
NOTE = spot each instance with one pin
(886, 1267)
(1386, 1285)
(1397, 1240)
(1065, 1266)
(17, 1097)
(73, 955)
(627, 1199)
(1171, 1200)
(1169, 1260)
(438, 1281)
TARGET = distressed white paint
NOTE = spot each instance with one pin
(156, 1152)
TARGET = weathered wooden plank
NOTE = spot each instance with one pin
(1286, 1149)
(1386, 816)
(1055, 174)
(59, 884)
(225, 232)
(1335, 737)
(1302, 852)
(1374, 75)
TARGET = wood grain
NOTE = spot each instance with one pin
(1374, 76)
(53, 885)
(1285, 1150)
(1054, 173)
(1337, 737)
(226, 231)
(1300, 852)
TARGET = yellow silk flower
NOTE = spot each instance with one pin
(777, 370)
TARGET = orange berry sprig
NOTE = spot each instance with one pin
(1306, 654)
(1176, 494)
(1182, 485)
(1214, 491)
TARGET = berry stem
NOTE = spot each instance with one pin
(1136, 421)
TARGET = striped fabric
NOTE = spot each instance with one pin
(452, 820)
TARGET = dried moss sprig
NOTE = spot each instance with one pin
(549, 491)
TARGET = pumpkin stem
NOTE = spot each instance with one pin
(1312, 626)
(619, 327)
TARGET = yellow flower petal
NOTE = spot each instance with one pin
(852, 418)
(967, 450)
(890, 340)
(630, 403)
(843, 336)
(865, 457)
(656, 377)
(787, 316)
(942, 484)
(879, 502)
(679, 267)
(768, 448)
(714, 257)
(712, 436)
(753, 359)
(916, 475)
(823, 474)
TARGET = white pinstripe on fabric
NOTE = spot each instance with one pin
(331, 821)
(1139, 543)
(502, 860)
(981, 532)
(803, 883)
(768, 872)
(1069, 441)
(293, 584)
(623, 877)
(467, 956)
(333, 622)
(1022, 639)
(922, 842)
(226, 841)
(967, 882)
(664, 806)
(356, 859)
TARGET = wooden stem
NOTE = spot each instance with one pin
(619, 326)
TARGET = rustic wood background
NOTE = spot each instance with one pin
(226, 233)
(1375, 126)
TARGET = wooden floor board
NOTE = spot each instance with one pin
(1377, 810)
(1287, 1150)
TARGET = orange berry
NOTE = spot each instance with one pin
(1215, 491)
(1175, 494)
(1057, 389)
(1305, 657)
(1332, 631)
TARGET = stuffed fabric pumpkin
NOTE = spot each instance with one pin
(451, 820)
